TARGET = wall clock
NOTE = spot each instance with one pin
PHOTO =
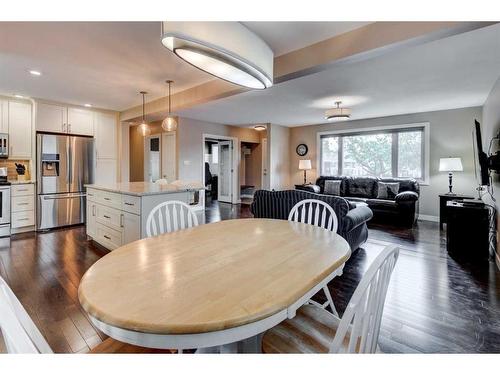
(301, 149)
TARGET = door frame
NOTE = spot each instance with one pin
(146, 153)
(236, 162)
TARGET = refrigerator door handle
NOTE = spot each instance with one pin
(52, 197)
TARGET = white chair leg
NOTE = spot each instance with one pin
(330, 301)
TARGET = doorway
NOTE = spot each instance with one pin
(220, 172)
(168, 156)
(152, 158)
(250, 170)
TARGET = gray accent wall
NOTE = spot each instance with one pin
(450, 135)
(490, 128)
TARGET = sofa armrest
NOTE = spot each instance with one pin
(406, 196)
(357, 216)
(310, 188)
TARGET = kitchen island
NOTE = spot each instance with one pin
(117, 213)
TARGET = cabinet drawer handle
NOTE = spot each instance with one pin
(107, 199)
(23, 219)
(22, 204)
(129, 204)
(106, 216)
(121, 221)
(106, 237)
(22, 189)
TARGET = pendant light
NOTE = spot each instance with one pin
(338, 113)
(170, 122)
(227, 50)
(143, 128)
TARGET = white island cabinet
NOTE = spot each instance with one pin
(117, 213)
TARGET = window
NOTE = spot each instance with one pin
(393, 152)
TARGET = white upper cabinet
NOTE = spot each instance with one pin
(4, 116)
(20, 130)
(80, 121)
(105, 135)
(51, 118)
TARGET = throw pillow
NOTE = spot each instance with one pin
(387, 190)
(332, 187)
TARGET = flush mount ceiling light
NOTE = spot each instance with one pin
(143, 128)
(260, 127)
(338, 113)
(170, 122)
(227, 50)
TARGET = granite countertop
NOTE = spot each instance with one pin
(148, 188)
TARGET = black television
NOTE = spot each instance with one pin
(481, 159)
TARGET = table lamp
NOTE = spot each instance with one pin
(305, 165)
(450, 165)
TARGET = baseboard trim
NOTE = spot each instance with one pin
(428, 218)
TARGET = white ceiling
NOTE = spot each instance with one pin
(103, 63)
(450, 73)
(284, 37)
(108, 63)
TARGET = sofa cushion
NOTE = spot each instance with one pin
(387, 190)
(405, 184)
(321, 183)
(332, 187)
(363, 187)
(381, 203)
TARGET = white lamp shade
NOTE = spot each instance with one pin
(450, 165)
(305, 164)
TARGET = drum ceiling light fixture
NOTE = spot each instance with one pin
(227, 50)
(338, 113)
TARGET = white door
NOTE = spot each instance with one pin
(105, 135)
(152, 158)
(168, 159)
(131, 225)
(225, 183)
(80, 121)
(51, 118)
(105, 171)
(265, 165)
(20, 130)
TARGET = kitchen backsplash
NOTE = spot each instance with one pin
(11, 168)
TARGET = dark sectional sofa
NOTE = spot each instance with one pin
(401, 209)
(278, 204)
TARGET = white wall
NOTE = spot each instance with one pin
(450, 135)
(490, 128)
(279, 157)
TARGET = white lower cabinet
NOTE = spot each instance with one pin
(22, 207)
(107, 223)
(131, 227)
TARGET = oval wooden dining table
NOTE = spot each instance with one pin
(215, 285)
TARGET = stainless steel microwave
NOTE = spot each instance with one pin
(4, 145)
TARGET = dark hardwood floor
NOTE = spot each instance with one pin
(434, 304)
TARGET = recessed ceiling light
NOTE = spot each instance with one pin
(19, 96)
(88, 105)
(35, 73)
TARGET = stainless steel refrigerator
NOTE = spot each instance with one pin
(64, 165)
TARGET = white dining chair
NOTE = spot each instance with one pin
(22, 336)
(19, 332)
(314, 330)
(170, 216)
(318, 213)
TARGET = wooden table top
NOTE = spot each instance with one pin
(211, 277)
